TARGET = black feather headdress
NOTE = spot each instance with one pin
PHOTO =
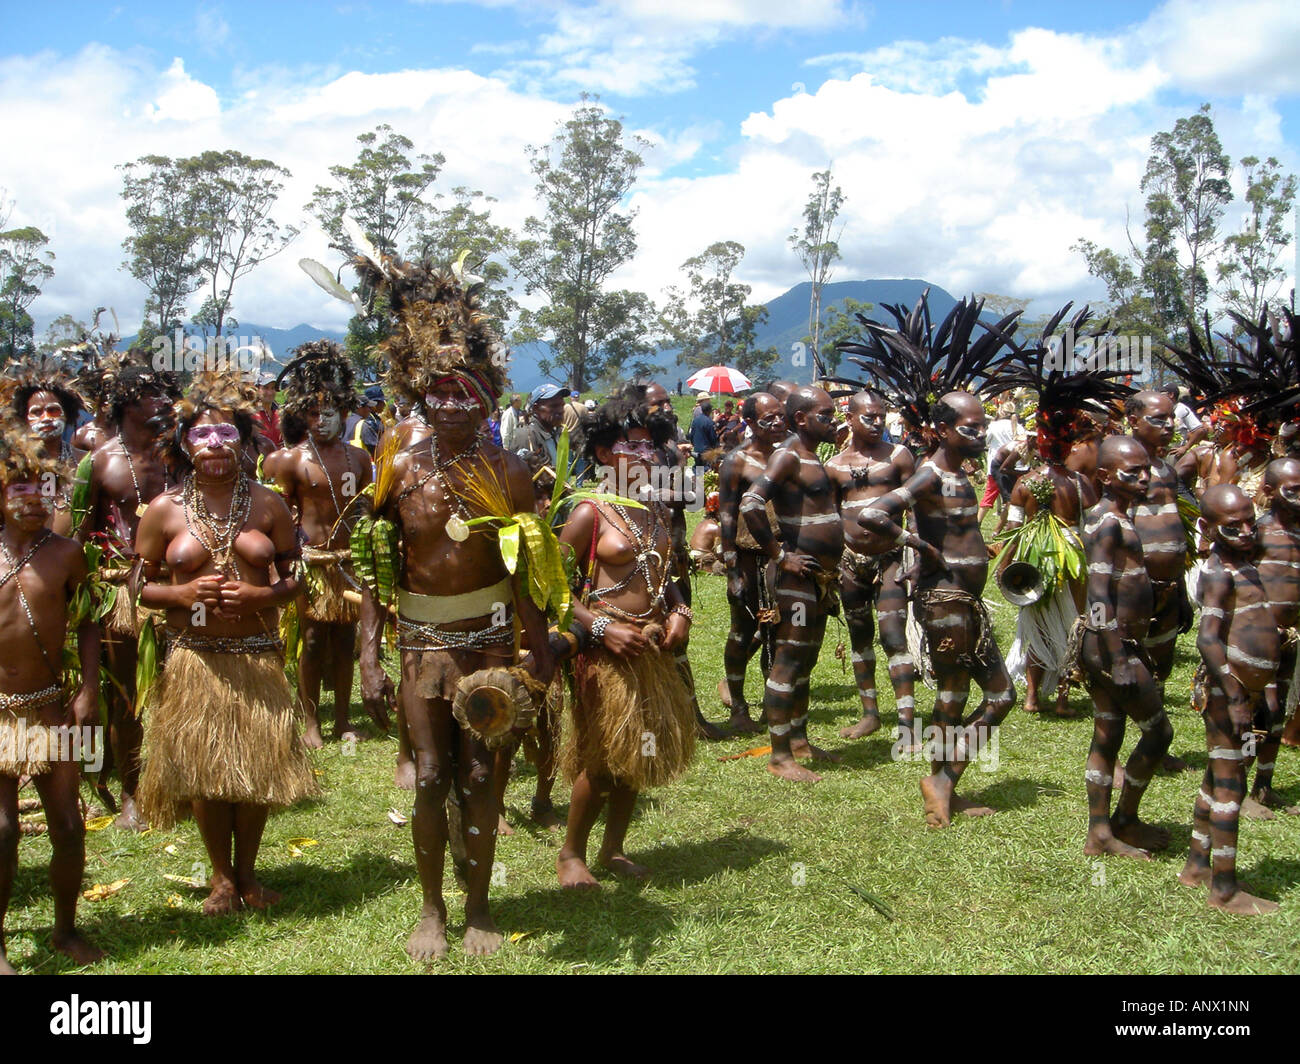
(914, 364)
(318, 376)
(1070, 373)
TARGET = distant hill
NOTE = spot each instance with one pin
(787, 325)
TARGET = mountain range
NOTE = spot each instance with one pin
(785, 328)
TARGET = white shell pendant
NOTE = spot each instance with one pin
(457, 529)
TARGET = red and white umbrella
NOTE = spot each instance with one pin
(719, 379)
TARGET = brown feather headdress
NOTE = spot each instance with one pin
(227, 391)
(319, 376)
(25, 377)
(20, 455)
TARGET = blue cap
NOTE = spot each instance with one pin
(546, 391)
(375, 394)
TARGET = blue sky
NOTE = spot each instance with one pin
(975, 141)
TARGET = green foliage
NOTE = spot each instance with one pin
(1249, 274)
(568, 254)
(818, 247)
(711, 321)
(25, 265)
(464, 223)
(163, 248)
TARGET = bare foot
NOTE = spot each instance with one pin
(1065, 711)
(803, 748)
(574, 874)
(428, 942)
(1108, 844)
(1143, 836)
(792, 770)
(742, 724)
(866, 726)
(1169, 763)
(544, 815)
(502, 827)
(1194, 874)
(966, 807)
(223, 900)
(1243, 904)
(620, 865)
(710, 732)
(1253, 809)
(311, 736)
(404, 776)
(71, 944)
(482, 938)
(724, 693)
(258, 897)
(129, 819)
(936, 800)
(1032, 706)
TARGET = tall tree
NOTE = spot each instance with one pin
(25, 265)
(163, 247)
(841, 323)
(382, 191)
(1249, 274)
(234, 196)
(712, 321)
(818, 247)
(1187, 187)
(1163, 285)
(568, 254)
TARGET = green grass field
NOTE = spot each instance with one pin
(750, 874)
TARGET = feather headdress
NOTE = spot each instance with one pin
(441, 331)
(914, 364)
(20, 455)
(225, 390)
(25, 377)
(319, 375)
(124, 379)
(1071, 386)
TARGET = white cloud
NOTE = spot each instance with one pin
(1226, 46)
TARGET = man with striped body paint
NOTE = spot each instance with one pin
(948, 605)
(765, 416)
(1116, 665)
(801, 571)
(1235, 687)
(1164, 543)
(1279, 568)
(871, 569)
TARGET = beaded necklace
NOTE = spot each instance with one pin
(641, 567)
(217, 535)
(14, 567)
(139, 499)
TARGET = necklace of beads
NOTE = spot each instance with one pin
(139, 499)
(217, 535)
(642, 567)
(14, 567)
(440, 464)
(329, 480)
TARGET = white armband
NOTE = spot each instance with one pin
(1016, 513)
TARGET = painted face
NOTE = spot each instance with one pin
(329, 423)
(821, 421)
(1131, 476)
(449, 401)
(1236, 529)
(45, 416)
(868, 424)
(213, 437)
(969, 432)
(27, 505)
(1288, 490)
(1154, 426)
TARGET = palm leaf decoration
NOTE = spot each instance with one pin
(913, 363)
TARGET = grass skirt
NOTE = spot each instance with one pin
(324, 601)
(632, 719)
(26, 742)
(222, 727)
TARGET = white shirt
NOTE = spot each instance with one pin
(999, 435)
(1186, 420)
(509, 427)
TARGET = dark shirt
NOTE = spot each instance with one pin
(370, 433)
(704, 433)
